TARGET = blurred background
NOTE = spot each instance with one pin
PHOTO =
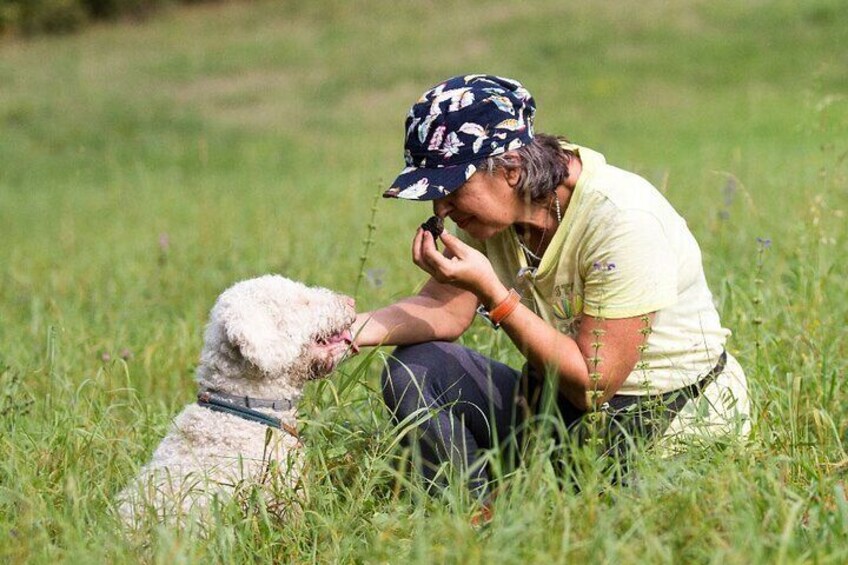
(152, 152)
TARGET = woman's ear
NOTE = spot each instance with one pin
(513, 174)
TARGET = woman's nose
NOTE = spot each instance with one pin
(441, 208)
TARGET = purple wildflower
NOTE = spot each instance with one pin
(729, 191)
(375, 277)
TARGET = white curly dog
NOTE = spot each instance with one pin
(265, 339)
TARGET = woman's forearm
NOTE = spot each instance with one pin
(412, 320)
(548, 349)
(398, 324)
(544, 347)
(609, 349)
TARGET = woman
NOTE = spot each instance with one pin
(586, 267)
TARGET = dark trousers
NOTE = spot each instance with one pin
(459, 402)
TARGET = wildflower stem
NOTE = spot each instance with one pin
(366, 245)
(762, 245)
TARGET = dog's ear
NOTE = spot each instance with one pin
(252, 325)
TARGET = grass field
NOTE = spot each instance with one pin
(145, 167)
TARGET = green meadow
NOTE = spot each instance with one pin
(146, 166)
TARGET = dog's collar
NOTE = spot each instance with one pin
(279, 404)
(241, 406)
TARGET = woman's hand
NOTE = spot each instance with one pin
(461, 266)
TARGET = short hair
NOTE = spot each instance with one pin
(542, 164)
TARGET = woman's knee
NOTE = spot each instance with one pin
(407, 378)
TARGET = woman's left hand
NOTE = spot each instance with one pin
(461, 266)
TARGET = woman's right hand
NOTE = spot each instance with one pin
(461, 266)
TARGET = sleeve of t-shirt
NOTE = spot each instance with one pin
(628, 266)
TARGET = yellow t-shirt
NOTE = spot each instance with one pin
(622, 251)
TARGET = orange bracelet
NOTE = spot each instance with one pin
(507, 306)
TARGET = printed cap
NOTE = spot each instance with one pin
(457, 124)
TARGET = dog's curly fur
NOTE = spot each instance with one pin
(266, 338)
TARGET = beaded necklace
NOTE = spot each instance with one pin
(534, 258)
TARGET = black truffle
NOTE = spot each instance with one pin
(435, 225)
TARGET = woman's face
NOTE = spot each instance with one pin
(482, 207)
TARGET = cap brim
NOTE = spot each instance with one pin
(421, 183)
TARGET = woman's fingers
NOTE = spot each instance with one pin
(428, 247)
(426, 255)
(423, 252)
(416, 247)
(460, 265)
(453, 244)
(434, 260)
